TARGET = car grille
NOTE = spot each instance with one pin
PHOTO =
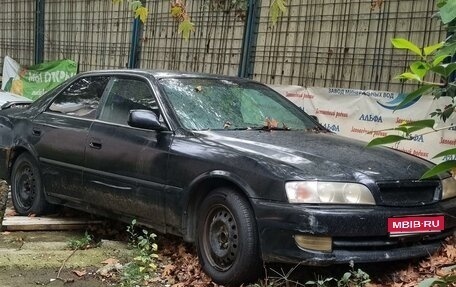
(387, 243)
(411, 193)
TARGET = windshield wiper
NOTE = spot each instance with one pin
(264, 128)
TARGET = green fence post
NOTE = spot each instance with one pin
(249, 40)
(134, 48)
(39, 31)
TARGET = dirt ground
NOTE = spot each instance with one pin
(42, 277)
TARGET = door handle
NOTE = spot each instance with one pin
(36, 131)
(95, 144)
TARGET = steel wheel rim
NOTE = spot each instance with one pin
(220, 238)
(25, 187)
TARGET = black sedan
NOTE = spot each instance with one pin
(226, 163)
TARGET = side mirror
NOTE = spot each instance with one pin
(145, 119)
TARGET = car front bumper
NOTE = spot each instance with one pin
(358, 234)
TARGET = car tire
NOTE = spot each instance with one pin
(227, 239)
(26, 187)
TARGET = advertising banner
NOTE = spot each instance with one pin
(364, 115)
(34, 81)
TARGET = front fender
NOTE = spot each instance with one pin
(6, 143)
(11, 145)
(202, 185)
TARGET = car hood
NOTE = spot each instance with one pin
(10, 97)
(322, 156)
(6, 97)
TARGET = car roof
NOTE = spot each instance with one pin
(160, 74)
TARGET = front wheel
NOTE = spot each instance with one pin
(26, 187)
(227, 240)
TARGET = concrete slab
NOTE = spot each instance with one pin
(35, 250)
(26, 223)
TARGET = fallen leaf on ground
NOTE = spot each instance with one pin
(108, 270)
(110, 261)
(168, 270)
(10, 212)
(80, 273)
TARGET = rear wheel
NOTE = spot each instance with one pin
(26, 187)
(227, 239)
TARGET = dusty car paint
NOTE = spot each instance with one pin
(161, 177)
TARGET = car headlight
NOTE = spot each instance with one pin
(448, 188)
(328, 192)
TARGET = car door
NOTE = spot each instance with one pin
(60, 134)
(126, 166)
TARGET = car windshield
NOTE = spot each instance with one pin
(213, 104)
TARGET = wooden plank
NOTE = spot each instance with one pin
(25, 223)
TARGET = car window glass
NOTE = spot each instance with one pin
(81, 98)
(202, 104)
(125, 95)
(255, 108)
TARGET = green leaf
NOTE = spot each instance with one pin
(385, 140)
(419, 68)
(399, 128)
(142, 12)
(447, 49)
(445, 70)
(439, 59)
(177, 11)
(415, 94)
(451, 151)
(412, 127)
(278, 7)
(186, 27)
(346, 276)
(429, 282)
(431, 49)
(422, 124)
(448, 12)
(135, 5)
(408, 76)
(401, 43)
(440, 3)
(440, 168)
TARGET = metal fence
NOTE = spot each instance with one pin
(214, 48)
(339, 43)
(328, 43)
(95, 33)
(17, 28)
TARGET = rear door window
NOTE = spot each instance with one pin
(81, 98)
